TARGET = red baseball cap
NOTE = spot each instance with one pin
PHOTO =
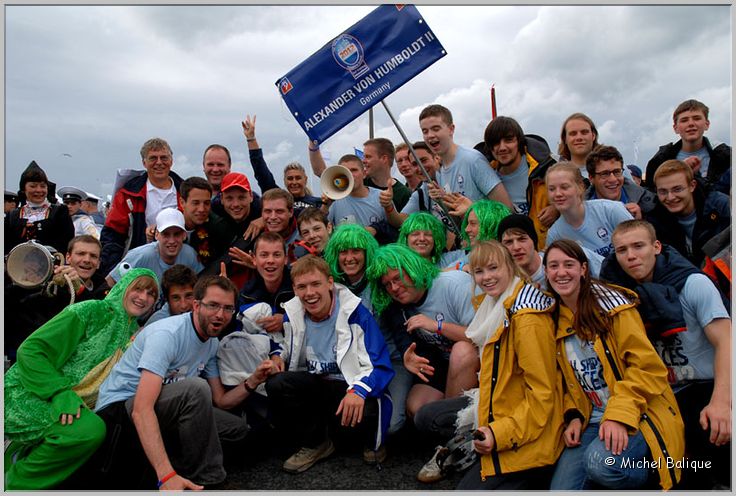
(235, 180)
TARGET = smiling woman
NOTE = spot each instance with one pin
(51, 390)
(519, 406)
(620, 406)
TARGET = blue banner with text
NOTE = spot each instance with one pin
(359, 68)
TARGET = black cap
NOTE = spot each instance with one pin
(33, 173)
(11, 196)
(520, 222)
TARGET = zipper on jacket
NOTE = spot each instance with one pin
(644, 416)
(662, 446)
(494, 377)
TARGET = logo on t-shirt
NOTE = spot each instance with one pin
(602, 232)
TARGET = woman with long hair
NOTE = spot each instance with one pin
(622, 420)
(51, 391)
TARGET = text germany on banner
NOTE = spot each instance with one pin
(358, 69)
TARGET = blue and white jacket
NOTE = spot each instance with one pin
(362, 354)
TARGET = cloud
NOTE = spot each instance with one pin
(97, 81)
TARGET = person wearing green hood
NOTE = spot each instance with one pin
(52, 388)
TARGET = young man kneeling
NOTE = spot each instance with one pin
(334, 365)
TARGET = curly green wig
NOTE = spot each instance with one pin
(402, 258)
(422, 221)
(489, 213)
(346, 237)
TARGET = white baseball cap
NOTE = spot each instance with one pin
(169, 217)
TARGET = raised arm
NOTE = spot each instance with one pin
(263, 174)
(315, 159)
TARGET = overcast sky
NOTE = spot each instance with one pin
(85, 86)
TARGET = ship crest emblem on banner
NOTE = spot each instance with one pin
(349, 54)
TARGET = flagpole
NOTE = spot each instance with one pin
(453, 226)
(493, 101)
(370, 123)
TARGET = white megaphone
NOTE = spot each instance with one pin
(336, 182)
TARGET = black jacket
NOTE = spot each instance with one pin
(255, 291)
(720, 163)
(56, 230)
(660, 307)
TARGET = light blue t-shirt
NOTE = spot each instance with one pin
(588, 371)
(413, 205)
(702, 154)
(363, 211)
(450, 258)
(688, 225)
(688, 355)
(601, 218)
(146, 256)
(469, 174)
(516, 184)
(321, 345)
(170, 348)
(159, 314)
(450, 300)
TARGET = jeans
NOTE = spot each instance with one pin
(590, 465)
(438, 417)
(189, 422)
(399, 388)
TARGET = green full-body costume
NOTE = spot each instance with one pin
(59, 370)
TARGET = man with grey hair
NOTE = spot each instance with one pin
(136, 204)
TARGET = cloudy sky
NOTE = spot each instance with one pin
(85, 86)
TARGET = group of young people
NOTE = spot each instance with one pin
(571, 323)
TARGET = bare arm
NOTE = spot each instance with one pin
(394, 217)
(149, 433)
(316, 160)
(499, 194)
(453, 332)
(717, 414)
(239, 393)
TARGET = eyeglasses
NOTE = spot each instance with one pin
(675, 191)
(154, 158)
(216, 307)
(614, 173)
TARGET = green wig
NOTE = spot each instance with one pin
(489, 213)
(423, 221)
(421, 271)
(347, 237)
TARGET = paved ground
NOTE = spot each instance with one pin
(344, 470)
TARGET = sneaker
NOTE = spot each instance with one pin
(372, 457)
(431, 471)
(306, 457)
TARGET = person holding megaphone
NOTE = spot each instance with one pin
(361, 204)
